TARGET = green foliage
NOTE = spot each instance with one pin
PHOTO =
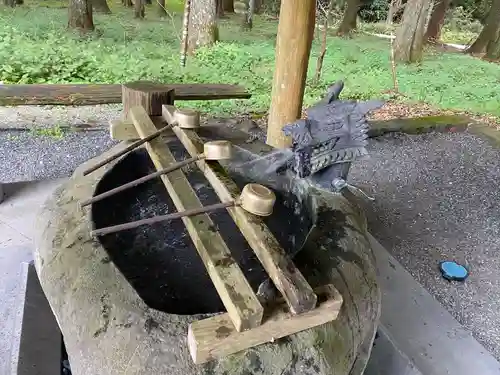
(477, 9)
(373, 10)
(50, 132)
(460, 26)
(35, 47)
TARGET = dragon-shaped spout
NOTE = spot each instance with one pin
(332, 136)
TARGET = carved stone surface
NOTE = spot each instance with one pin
(334, 132)
(109, 329)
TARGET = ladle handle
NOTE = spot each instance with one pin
(156, 219)
(139, 181)
(127, 149)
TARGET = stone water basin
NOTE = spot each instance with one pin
(124, 301)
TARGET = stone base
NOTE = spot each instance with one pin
(109, 329)
(37, 341)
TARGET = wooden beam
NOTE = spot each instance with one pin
(124, 130)
(215, 337)
(285, 275)
(241, 303)
(293, 47)
(93, 94)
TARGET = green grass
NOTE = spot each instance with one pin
(35, 47)
(51, 132)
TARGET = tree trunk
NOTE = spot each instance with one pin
(139, 9)
(203, 30)
(348, 23)
(228, 6)
(293, 48)
(490, 29)
(394, 6)
(493, 49)
(80, 16)
(220, 8)
(161, 8)
(248, 15)
(148, 2)
(9, 3)
(258, 7)
(101, 6)
(128, 3)
(437, 20)
(409, 42)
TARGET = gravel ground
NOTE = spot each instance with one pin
(22, 117)
(27, 157)
(27, 154)
(437, 199)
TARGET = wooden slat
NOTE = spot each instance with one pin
(90, 94)
(240, 301)
(215, 337)
(285, 275)
(124, 130)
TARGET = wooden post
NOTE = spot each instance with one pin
(149, 95)
(293, 47)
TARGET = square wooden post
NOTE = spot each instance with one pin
(149, 95)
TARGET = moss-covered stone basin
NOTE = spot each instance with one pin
(124, 301)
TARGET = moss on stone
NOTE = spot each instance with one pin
(419, 125)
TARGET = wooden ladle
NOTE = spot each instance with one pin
(254, 198)
(183, 118)
(213, 150)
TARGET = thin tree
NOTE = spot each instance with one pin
(128, 3)
(409, 41)
(228, 6)
(203, 29)
(257, 7)
(139, 9)
(489, 32)
(326, 16)
(161, 9)
(348, 23)
(80, 16)
(436, 21)
(220, 8)
(101, 6)
(394, 7)
(248, 14)
(493, 49)
(185, 32)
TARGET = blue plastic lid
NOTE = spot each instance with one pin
(453, 271)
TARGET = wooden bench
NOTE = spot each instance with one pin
(93, 94)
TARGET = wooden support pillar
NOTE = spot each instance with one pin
(293, 47)
(149, 95)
